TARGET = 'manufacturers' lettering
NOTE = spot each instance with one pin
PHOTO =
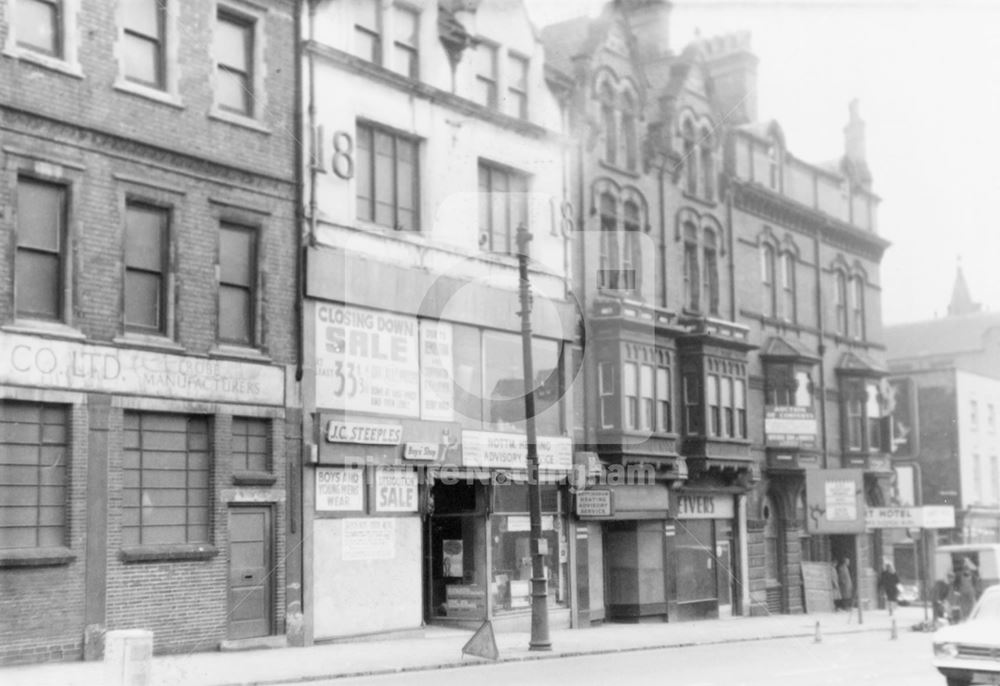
(29, 361)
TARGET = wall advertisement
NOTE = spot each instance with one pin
(491, 450)
(30, 361)
(835, 501)
(790, 427)
(367, 361)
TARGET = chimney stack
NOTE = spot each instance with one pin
(650, 22)
(732, 68)
(854, 146)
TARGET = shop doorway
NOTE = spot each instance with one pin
(456, 553)
(251, 591)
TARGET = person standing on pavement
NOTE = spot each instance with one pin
(846, 584)
(888, 581)
(967, 582)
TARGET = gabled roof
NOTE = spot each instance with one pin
(566, 40)
(854, 362)
(945, 336)
(778, 348)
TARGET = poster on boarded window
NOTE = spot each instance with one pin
(367, 361)
(435, 371)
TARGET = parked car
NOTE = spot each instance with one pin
(969, 653)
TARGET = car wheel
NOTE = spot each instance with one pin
(958, 682)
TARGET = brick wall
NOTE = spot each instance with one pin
(42, 608)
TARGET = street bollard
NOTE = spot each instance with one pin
(895, 634)
(817, 638)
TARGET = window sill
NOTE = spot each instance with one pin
(708, 202)
(36, 557)
(148, 342)
(149, 93)
(174, 552)
(238, 352)
(238, 120)
(254, 478)
(621, 170)
(52, 63)
(45, 328)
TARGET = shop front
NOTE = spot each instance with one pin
(478, 533)
(704, 552)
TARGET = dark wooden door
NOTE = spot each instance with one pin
(250, 578)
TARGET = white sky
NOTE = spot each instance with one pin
(927, 75)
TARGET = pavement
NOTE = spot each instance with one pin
(440, 648)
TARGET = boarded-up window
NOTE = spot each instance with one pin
(33, 439)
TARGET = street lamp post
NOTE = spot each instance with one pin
(539, 594)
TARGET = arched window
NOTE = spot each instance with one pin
(710, 272)
(691, 281)
(774, 166)
(629, 141)
(788, 304)
(840, 301)
(610, 124)
(690, 159)
(858, 306)
(609, 241)
(767, 277)
(770, 516)
(707, 164)
(630, 254)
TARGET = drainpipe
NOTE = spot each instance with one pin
(299, 195)
(821, 349)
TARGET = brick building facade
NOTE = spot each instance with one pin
(147, 293)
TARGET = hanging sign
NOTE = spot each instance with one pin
(594, 504)
(835, 501)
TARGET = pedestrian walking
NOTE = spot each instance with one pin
(835, 585)
(888, 581)
(846, 583)
(941, 596)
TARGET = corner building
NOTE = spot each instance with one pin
(434, 135)
(146, 327)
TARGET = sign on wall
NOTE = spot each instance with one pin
(367, 361)
(790, 427)
(699, 506)
(835, 501)
(436, 371)
(340, 489)
(30, 361)
(395, 490)
(594, 504)
(510, 451)
(363, 432)
(372, 538)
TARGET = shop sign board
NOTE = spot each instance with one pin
(48, 363)
(835, 501)
(789, 426)
(436, 389)
(358, 432)
(367, 361)
(594, 504)
(340, 489)
(490, 450)
(705, 506)
(926, 517)
(372, 538)
(892, 518)
(421, 451)
(395, 490)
